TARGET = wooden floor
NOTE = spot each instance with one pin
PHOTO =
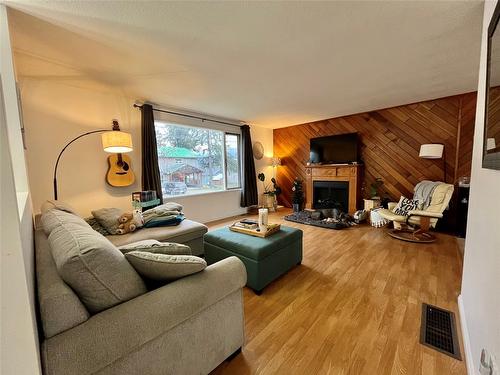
(352, 307)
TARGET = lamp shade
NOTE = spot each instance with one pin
(275, 162)
(116, 141)
(431, 151)
(490, 144)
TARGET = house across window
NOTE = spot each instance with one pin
(196, 160)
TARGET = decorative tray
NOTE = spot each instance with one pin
(271, 229)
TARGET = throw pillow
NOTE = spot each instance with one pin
(108, 218)
(405, 205)
(157, 247)
(94, 224)
(53, 218)
(91, 265)
(163, 267)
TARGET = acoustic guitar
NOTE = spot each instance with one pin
(120, 172)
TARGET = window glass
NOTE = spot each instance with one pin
(192, 160)
(232, 161)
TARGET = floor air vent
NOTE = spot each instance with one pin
(438, 330)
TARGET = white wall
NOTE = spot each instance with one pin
(480, 299)
(19, 352)
(264, 136)
(55, 111)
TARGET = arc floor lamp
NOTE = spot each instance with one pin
(113, 141)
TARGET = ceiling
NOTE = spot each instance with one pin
(271, 64)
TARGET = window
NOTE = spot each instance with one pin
(196, 160)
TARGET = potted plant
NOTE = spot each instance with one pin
(269, 193)
(374, 186)
(298, 195)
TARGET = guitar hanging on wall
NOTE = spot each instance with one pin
(119, 171)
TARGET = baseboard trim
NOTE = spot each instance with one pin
(469, 362)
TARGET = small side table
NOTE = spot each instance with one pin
(370, 204)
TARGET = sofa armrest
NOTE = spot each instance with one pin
(436, 215)
(111, 334)
(391, 206)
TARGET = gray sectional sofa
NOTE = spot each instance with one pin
(188, 326)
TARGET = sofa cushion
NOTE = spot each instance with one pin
(163, 267)
(53, 218)
(92, 266)
(108, 218)
(60, 308)
(186, 231)
(154, 246)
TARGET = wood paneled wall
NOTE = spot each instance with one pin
(390, 144)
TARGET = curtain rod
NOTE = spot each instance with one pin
(190, 116)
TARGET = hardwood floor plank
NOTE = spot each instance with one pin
(352, 307)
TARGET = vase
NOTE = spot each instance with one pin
(296, 207)
(269, 202)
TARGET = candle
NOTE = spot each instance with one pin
(263, 213)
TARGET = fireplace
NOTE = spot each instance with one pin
(339, 183)
(331, 194)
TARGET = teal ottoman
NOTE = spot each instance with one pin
(265, 259)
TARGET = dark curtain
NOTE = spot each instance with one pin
(150, 169)
(249, 196)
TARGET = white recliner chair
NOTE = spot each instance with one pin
(415, 227)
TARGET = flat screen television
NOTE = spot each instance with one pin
(334, 149)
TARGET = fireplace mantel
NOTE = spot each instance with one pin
(335, 172)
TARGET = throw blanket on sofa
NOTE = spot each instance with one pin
(164, 221)
(423, 192)
(163, 215)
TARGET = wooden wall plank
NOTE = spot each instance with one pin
(390, 144)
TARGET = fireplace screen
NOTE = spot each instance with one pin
(331, 194)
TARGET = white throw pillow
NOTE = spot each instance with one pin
(405, 205)
(163, 267)
(157, 247)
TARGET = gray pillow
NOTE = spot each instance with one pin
(94, 224)
(157, 247)
(52, 218)
(108, 218)
(163, 267)
(91, 265)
